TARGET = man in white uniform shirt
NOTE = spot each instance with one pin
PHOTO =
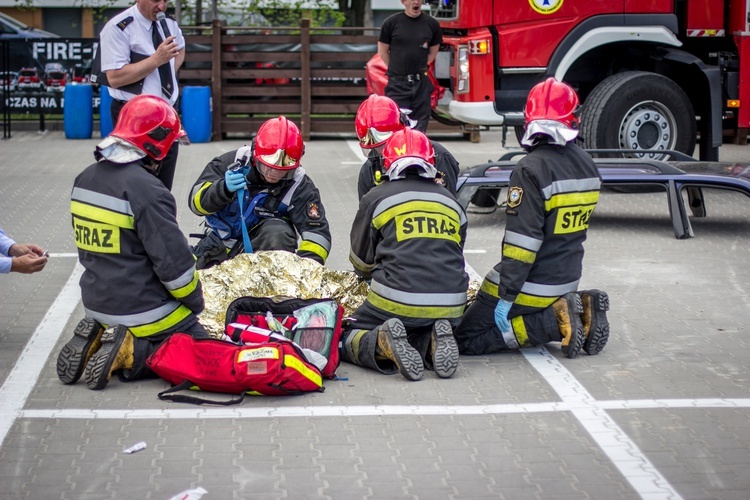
(136, 60)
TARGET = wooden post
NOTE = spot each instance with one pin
(305, 86)
(216, 111)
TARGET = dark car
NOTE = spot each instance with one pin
(11, 28)
(30, 79)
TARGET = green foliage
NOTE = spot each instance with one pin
(323, 13)
(97, 6)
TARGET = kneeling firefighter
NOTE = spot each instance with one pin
(531, 296)
(407, 239)
(140, 281)
(258, 197)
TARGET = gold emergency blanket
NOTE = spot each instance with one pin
(274, 274)
(279, 274)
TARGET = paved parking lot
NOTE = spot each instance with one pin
(663, 412)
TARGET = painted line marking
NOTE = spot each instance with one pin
(383, 410)
(29, 365)
(637, 469)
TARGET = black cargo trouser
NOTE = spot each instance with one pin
(414, 95)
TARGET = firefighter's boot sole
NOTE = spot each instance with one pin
(595, 323)
(76, 353)
(443, 349)
(393, 344)
(116, 353)
(568, 310)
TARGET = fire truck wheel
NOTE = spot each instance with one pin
(639, 110)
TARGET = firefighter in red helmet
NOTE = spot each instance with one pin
(406, 323)
(264, 188)
(378, 117)
(139, 283)
(531, 296)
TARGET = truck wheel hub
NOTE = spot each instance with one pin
(648, 125)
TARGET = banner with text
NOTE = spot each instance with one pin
(35, 72)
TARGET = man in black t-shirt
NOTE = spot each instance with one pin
(408, 44)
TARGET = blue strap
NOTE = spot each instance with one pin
(245, 236)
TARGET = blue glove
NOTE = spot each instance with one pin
(234, 181)
(501, 315)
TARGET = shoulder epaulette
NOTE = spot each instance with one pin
(124, 23)
(171, 16)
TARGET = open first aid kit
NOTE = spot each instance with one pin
(269, 348)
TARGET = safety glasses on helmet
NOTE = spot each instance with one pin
(274, 175)
(279, 159)
(374, 137)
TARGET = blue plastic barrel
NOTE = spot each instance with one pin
(196, 113)
(78, 111)
(105, 113)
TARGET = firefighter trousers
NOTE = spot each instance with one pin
(478, 334)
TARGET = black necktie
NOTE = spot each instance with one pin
(165, 71)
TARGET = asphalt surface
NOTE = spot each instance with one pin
(662, 412)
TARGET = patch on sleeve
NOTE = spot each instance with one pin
(312, 211)
(515, 194)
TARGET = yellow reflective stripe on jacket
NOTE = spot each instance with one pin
(197, 199)
(163, 324)
(103, 215)
(415, 206)
(519, 254)
(524, 299)
(490, 288)
(312, 247)
(571, 200)
(421, 311)
(186, 290)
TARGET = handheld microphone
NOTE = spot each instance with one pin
(162, 18)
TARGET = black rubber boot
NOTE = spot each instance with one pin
(594, 318)
(76, 353)
(392, 344)
(568, 311)
(116, 353)
(443, 349)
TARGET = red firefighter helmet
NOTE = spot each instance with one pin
(278, 144)
(377, 118)
(409, 148)
(150, 124)
(552, 100)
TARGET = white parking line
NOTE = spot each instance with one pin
(621, 450)
(25, 373)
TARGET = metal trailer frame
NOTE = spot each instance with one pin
(680, 174)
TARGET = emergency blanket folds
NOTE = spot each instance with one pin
(271, 368)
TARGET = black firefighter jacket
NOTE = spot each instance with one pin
(408, 237)
(552, 193)
(139, 271)
(301, 198)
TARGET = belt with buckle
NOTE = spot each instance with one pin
(408, 78)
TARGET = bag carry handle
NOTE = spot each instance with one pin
(167, 395)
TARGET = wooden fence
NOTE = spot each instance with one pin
(314, 76)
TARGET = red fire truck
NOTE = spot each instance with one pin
(652, 74)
